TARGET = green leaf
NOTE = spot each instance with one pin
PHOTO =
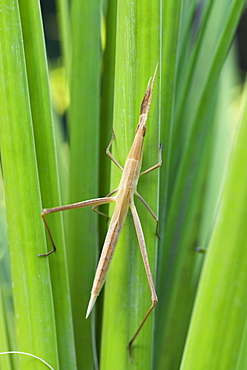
(217, 325)
(191, 150)
(33, 304)
(48, 172)
(82, 225)
(127, 294)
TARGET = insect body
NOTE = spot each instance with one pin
(124, 198)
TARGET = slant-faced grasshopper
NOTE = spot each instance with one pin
(124, 198)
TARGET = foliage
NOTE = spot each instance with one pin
(109, 51)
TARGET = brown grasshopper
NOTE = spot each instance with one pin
(124, 198)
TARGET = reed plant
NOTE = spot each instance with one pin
(109, 51)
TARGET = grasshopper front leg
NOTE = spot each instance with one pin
(87, 203)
